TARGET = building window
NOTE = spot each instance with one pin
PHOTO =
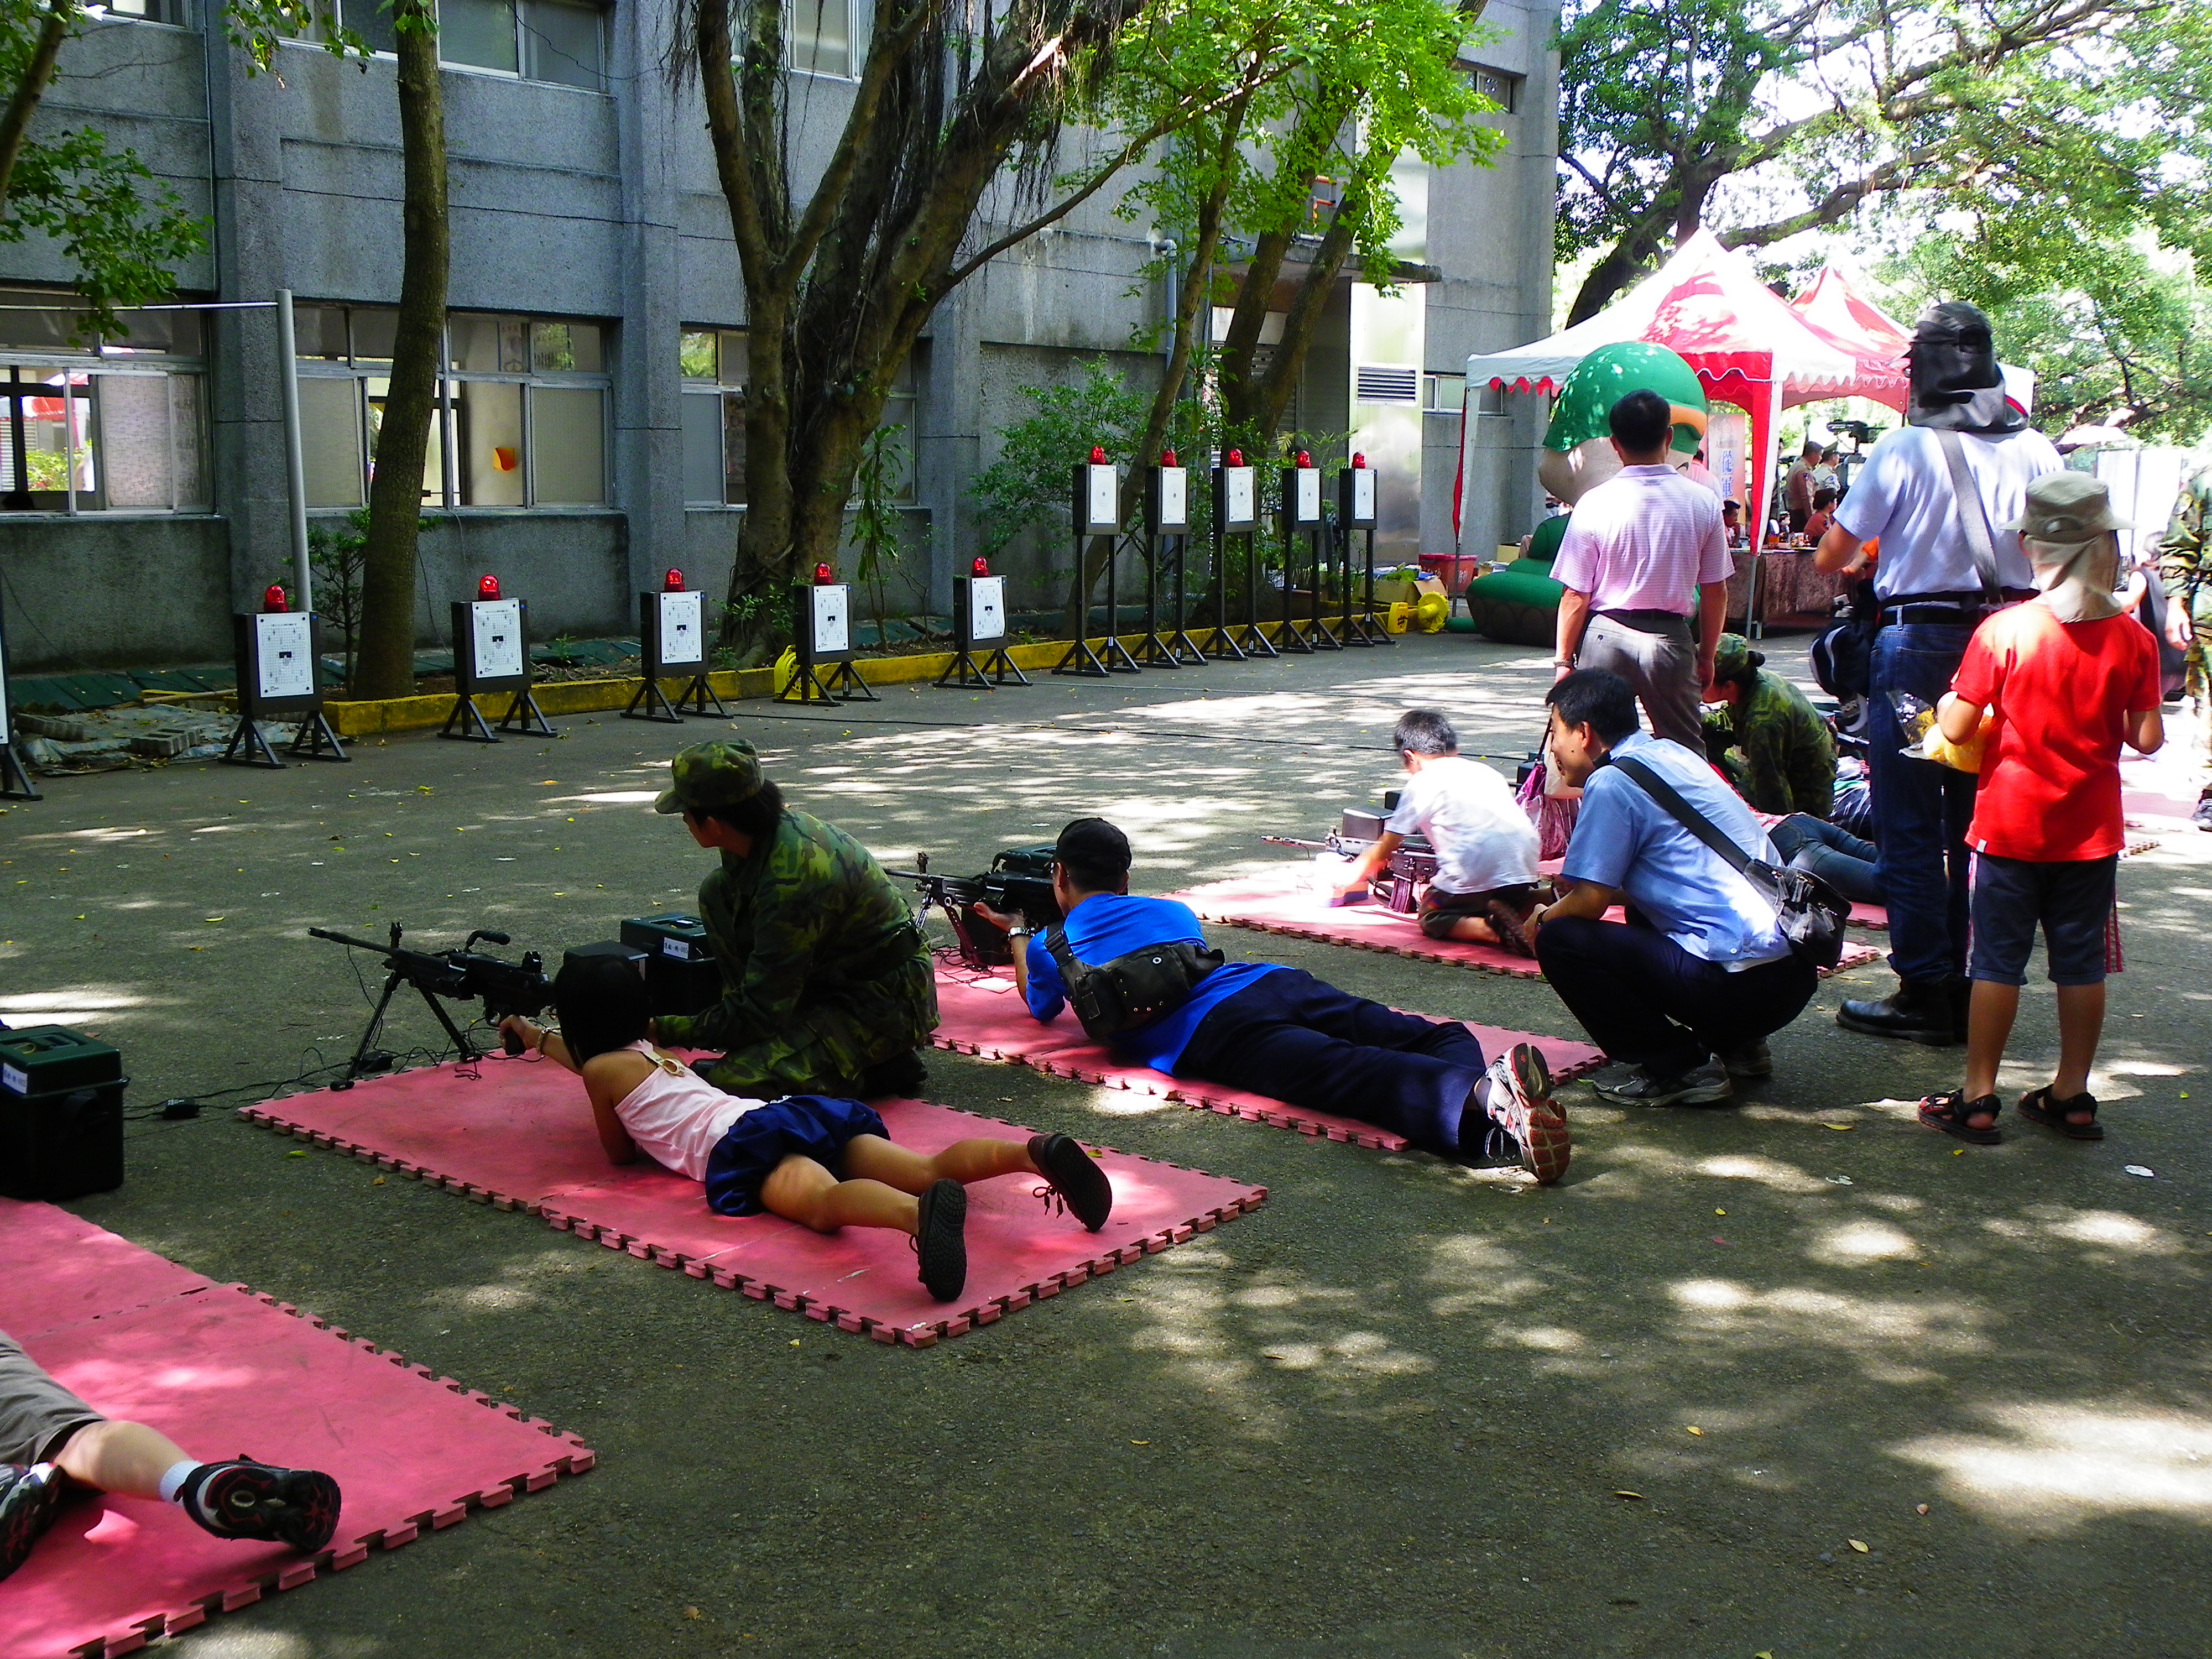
(520, 419)
(1501, 87)
(149, 11)
(714, 365)
(1441, 394)
(1490, 399)
(824, 37)
(551, 40)
(116, 423)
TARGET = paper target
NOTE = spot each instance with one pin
(1102, 500)
(284, 656)
(986, 608)
(1306, 495)
(831, 615)
(1363, 495)
(1239, 509)
(1175, 499)
(682, 630)
(497, 627)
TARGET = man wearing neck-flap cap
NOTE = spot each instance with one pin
(827, 984)
(1939, 494)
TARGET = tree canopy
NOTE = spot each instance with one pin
(1764, 119)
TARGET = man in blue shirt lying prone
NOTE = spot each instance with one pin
(1141, 979)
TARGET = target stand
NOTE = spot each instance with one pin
(276, 661)
(1098, 514)
(1355, 512)
(14, 782)
(1299, 513)
(821, 632)
(1236, 513)
(1167, 522)
(979, 622)
(672, 638)
(491, 654)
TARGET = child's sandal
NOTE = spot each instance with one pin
(1950, 1113)
(2038, 1106)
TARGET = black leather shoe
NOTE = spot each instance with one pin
(1918, 1011)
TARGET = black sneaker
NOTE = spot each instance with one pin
(28, 1498)
(941, 1240)
(1749, 1060)
(1075, 1178)
(242, 1498)
(900, 1075)
(1702, 1085)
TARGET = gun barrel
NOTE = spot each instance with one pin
(348, 938)
(1292, 841)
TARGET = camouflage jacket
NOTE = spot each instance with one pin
(2184, 551)
(803, 915)
(1788, 754)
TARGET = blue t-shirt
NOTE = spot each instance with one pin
(1108, 925)
(1624, 838)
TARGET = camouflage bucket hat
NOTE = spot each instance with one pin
(1734, 656)
(710, 775)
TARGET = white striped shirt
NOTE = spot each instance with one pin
(1644, 540)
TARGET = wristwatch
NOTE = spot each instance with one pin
(1013, 934)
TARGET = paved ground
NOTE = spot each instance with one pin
(1392, 1413)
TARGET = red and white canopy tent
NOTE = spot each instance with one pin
(1839, 313)
(1746, 346)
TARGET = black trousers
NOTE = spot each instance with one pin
(1646, 1000)
(1300, 1040)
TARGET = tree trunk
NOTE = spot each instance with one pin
(1272, 395)
(1617, 270)
(38, 76)
(385, 667)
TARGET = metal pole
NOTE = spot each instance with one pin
(295, 460)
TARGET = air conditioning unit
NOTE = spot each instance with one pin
(1388, 383)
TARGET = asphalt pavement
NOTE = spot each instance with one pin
(1799, 1377)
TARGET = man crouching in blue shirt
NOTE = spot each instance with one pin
(1688, 988)
(1279, 1031)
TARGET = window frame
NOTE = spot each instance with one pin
(23, 367)
(446, 415)
(521, 71)
(860, 21)
(904, 399)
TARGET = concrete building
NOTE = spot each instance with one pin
(589, 436)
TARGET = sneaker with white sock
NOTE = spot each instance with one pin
(1521, 1103)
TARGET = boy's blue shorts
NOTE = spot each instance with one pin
(2073, 900)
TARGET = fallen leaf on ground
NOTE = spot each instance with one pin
(1140, 1442)
(1920, 1509)
(1634, 1497)
(1858, 1545)
(1694, 1429)
(1840, 1128)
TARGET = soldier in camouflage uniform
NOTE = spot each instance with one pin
(1771, 743)
(2185, 564)
(828, 986)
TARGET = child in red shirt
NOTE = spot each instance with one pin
(2064, 680)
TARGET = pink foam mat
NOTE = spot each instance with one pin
(984, 1015)
(220, 1370)
(1287, 901)
(519, 1135)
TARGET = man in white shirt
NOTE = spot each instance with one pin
(1932, 598)
(1688, 988)
(1487, 848)
(1638, 549)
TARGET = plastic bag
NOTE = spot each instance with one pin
(1927, 741)
(1552, 806)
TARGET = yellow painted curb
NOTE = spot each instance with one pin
(374, 719)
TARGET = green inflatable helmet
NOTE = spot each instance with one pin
(1578, 448)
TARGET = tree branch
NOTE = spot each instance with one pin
(38, 76)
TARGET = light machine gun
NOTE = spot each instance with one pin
(462, 975)
(1413, 863)
(1019, 881)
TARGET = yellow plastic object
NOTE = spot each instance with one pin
(1430, 615)
(1959, 757)
(786, 666)
(1399, 615)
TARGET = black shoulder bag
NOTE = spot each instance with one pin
(1810, 912)
(1112, 999)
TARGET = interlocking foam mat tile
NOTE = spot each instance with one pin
(982, 1014)
(1289, 900)
(220, 1370)
(517, 1133)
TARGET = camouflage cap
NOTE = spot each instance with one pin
(710, 775)
(2065, 508)
(1734, 657)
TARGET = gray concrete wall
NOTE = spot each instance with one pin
(606, 206)
(115, 593)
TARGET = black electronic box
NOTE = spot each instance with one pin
(681, 974)
(61, 1115)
